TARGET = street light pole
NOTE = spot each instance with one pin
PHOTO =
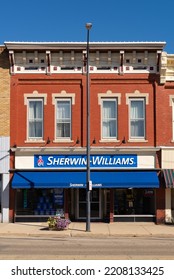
(88, 182)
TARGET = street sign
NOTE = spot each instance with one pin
(90, 185)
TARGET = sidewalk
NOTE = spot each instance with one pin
(97, 230)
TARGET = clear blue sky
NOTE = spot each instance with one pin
(64, 20)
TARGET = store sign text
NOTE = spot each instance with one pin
(80, 161)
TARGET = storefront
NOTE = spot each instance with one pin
(134, 204)
(121, 187)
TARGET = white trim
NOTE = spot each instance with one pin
(63, 94)
(166, 147)
(62, 139)
(139, 138)
(35, 94)
(109, 139)
(109, 94)
(132, 140)
(76, 45)
(35, 139)
(137, 94)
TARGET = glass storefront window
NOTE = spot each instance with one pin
(134, 202)
(39, 201)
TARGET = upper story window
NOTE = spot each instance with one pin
(63, 118)
(35, 119)
(109, 118)
(137, 118)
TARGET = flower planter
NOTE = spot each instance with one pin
(58, 223)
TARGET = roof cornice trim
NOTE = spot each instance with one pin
(82, 45)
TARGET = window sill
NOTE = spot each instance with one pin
(35, 141)
(63, 141)
(109, 140)
(137, 141)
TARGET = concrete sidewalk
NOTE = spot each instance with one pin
(97, 230)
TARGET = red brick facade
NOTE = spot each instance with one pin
(158, 114)
(21, 84)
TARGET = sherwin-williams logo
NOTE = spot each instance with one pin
(80, 161)
(40, 161)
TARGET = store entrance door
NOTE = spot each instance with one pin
(95, 204)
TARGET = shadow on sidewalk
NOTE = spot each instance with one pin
(68, 229)
(29, 224)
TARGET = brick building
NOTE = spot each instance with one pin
(4, 134)
(129, 104)
(165, 133)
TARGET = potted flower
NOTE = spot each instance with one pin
(62, 223)
(58, 223)
(51, 223)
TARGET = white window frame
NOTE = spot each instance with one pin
(144, 118)
(28, 136)
(62, 138)
(110, 138)
(35, 95)
(62, 95)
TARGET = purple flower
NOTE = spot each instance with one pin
(62, 223)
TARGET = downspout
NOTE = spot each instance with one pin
(155, 113)
(155, 130)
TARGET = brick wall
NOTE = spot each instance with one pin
(160, 206)
(25, 83)
(4, 93)
(164, 114)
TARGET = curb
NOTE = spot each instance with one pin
(71, 234)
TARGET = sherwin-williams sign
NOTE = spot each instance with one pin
(80, 161)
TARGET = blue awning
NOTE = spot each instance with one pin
(77, 179)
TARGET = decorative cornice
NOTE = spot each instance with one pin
(82, 45)
(79, 150)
